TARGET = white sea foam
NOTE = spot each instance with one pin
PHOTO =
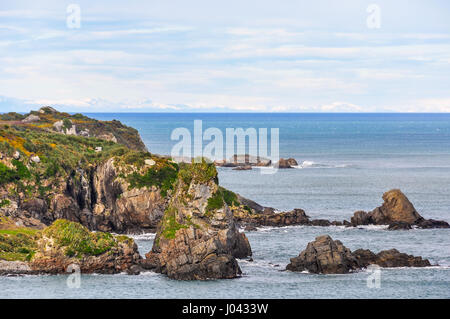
(144, 236)
(312, 164)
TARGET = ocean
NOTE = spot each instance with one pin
(346, 162)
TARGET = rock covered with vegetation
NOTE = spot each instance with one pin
(108, 185)
(197, 237)
(327, 256)
(64, 243)
(47, 118)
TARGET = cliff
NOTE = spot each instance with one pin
(104, 184)
(198, 238)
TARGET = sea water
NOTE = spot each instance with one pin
(346, 162)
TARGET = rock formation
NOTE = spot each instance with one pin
(397, 212)
(286, 163)
(328, 256)
(197, 237)
(65, 243)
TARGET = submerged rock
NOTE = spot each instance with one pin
(327, 256)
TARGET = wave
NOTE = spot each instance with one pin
(312, 164)
(143, 236)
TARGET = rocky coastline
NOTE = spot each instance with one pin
(64, 177)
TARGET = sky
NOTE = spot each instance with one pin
(225, 56)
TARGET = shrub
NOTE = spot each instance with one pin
(78, 240)
(164, 178)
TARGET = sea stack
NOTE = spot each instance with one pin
(197, 237)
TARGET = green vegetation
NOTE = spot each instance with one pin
(78, 240)
(11, 116)
(163, 177)
(215, 202)
(67, 124)
(4, 202)
(198, 172)
(229, 197)
(169, 224)
(8, 175)
(18, 244)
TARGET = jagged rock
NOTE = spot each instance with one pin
(328, 256)
(35, 159)
(242, 168)
(399, 225)
(31, 118)
(324, 256)
(360, 218)
(198, 238)
(292, 162)
(282, 163)
(47, 110)
(320, 222)
(268, 217)
(389, 258)
(432, 223)
(396, 211)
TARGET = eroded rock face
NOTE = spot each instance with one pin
(328, 256)
(283, 163)
(389, 258)
(324, 256)
(55, 254)
(396, 211)
(98, 199)
(197, 238)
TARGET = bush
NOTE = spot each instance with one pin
(164, 178)
(78, 240)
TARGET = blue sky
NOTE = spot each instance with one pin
(226, 56)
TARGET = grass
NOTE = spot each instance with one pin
(163, 178)
(169, 224)
(77, 240)
(18, 244)
(229, 197)
(215, 202)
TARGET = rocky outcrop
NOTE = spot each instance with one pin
(286, 163)
(324, 256)
(246, 160)
(99, 198)
(328, 256)
(389, 258)
(397, 212)
(197, 237)
(66, 244)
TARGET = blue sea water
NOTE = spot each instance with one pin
(346, 163)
